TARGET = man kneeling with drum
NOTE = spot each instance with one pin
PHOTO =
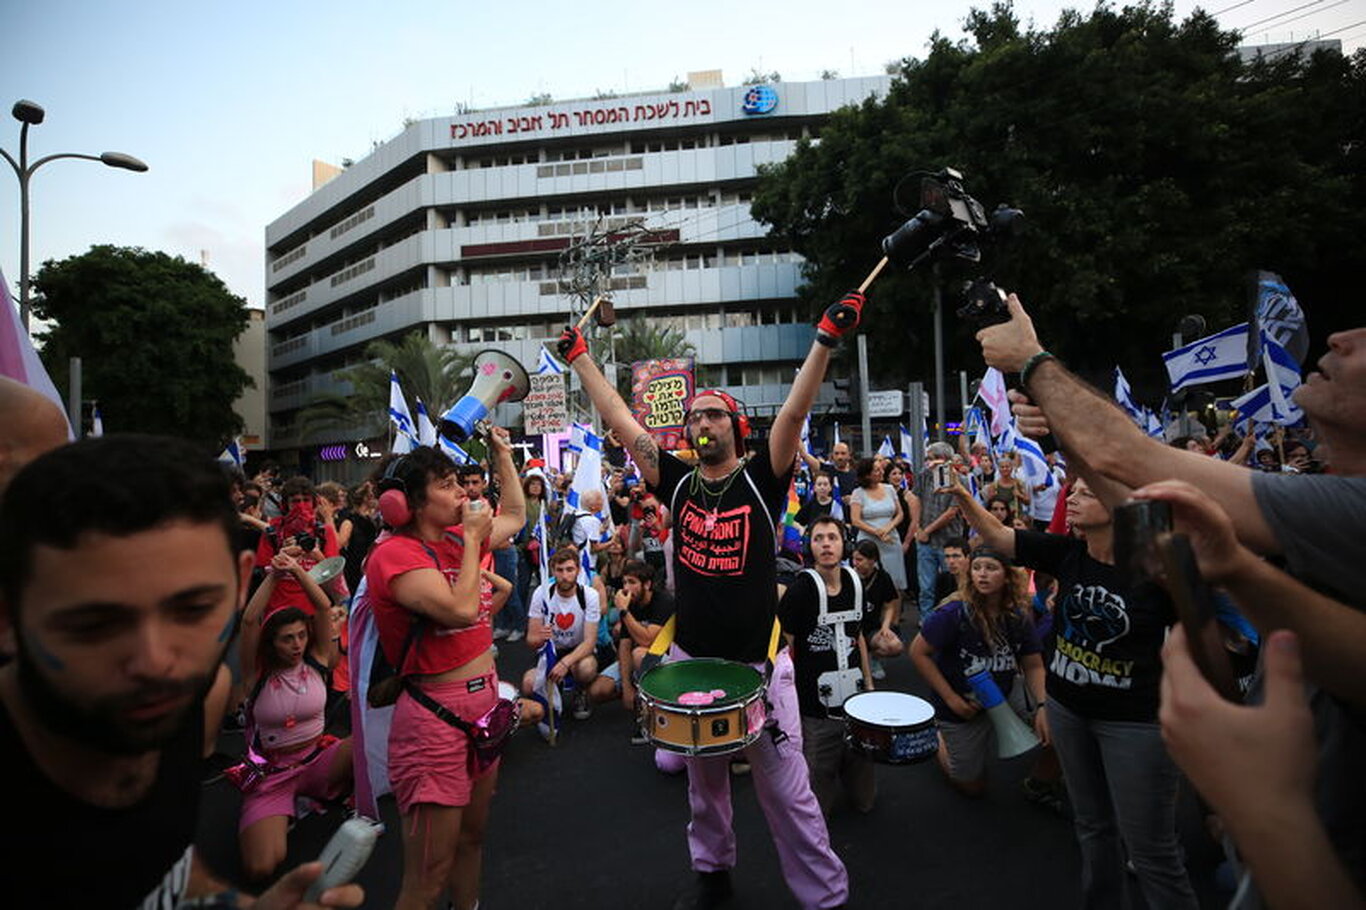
(822, 614)
(726, 587)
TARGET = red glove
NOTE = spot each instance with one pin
(571, 344)
(840, 318)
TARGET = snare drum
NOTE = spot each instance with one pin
(703, 706)
(891, 727)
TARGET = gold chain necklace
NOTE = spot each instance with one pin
(698, 491)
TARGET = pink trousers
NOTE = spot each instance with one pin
(811, 869)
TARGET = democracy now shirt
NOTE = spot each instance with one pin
(1106, 660)
(725, 569)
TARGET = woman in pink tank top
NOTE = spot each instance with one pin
(285, 659)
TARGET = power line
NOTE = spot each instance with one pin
(1310, 13)
(1283, 13)
(1220, 12)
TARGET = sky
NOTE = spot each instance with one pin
(230, 103)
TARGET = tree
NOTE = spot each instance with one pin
(637, 339)
(154, 334)
(437, 375)
(1155, 170)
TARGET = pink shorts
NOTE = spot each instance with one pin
(275, 793)
(429, 760)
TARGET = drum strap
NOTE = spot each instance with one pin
(836, 621)
(660, 645)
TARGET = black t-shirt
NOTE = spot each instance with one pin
(126, 858)
(876, 592)
(363, 534)
(725, 572)
(813, 644)
(847, 480)
(1106, 660)
(811, 510)
(658, 610)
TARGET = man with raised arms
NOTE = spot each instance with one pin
(724, 511)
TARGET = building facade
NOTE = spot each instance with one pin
(455, 228)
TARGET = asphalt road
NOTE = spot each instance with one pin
(592, 824)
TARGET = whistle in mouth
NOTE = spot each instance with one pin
(703, 440)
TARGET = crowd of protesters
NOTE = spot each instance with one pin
(198, 607)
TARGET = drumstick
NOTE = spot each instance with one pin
(872, 276)
(589, 313)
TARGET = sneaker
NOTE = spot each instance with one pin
(875, 669)
(739, 767)
(516, 635)
(500, 634)
(638, 735)
(708, 889)
(582, 709)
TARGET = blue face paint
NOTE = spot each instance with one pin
(227, 629)
(50, 660)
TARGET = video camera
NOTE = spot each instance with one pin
(953, 226)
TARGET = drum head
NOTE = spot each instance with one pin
(888, 709)
(666, 682)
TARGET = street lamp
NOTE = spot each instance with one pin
(30, 114)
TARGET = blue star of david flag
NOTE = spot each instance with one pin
(457, 454)
(405, 432)
(547, 364)
(1211, 359)
(1124, 397)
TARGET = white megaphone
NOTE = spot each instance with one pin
(1013, 737)
(497, 378)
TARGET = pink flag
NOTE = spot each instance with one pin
(18, 360)
(993, 392)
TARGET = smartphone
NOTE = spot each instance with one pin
(943, 476)
(1194, 606)
(345, 855)
(1137, 526)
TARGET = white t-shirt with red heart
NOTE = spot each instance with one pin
(564, 615)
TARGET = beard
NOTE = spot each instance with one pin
(102, 724)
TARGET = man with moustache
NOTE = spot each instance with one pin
(724, 512)
(121, 585)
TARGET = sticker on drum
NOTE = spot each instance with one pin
(891, 727)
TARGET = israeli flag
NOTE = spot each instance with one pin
(1211, 359)
(231, 454)
(96, 422)
(547, 364)
(1152, 424)
(837, 435)
(806, 432)
(1124, 396)
(977, 427)
(1033, 464)
(1282, 378)
(885, 449)
(456, 454)
(405, 433)
(907, 441)
(426, 432)
(1259, 407)
(588, 472)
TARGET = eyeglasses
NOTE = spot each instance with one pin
(694, 417)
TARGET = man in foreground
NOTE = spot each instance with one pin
(121, 585)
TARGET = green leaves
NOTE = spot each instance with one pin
(155, 336)
(1154, 168)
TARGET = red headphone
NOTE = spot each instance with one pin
(738, 419)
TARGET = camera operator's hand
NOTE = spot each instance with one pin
(1217, 550)
(1029, 417)
(1253, 764)
(1008, 346)
(841, 317)
(571, 344)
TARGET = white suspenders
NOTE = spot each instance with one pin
(834, 686)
